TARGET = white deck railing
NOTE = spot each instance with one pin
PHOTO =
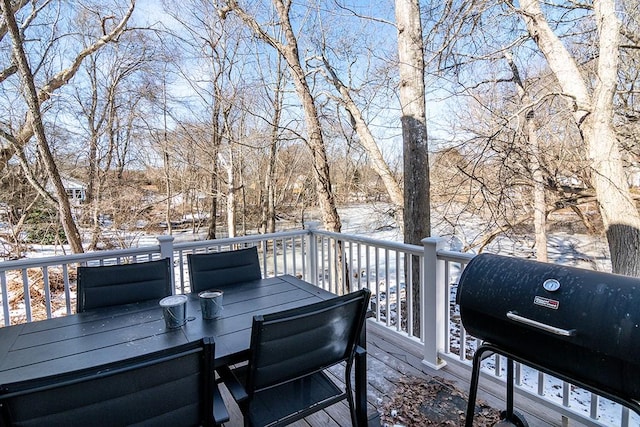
(37, 288)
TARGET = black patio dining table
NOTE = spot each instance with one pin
(83, 340)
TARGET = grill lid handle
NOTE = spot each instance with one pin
(539, 325)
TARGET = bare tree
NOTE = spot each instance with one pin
(289, 51)
(34, 125)
(107, 106)
(58, 80)
(213, 44)
(31, 98)
(593, 106)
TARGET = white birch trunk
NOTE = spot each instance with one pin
(594, 117)
(530, 133)
(377, 162)
(227, 164)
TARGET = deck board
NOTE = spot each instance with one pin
(388, 362)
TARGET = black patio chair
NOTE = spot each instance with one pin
(285, 378)
(174, 387)
(105, 286)
(219, 269)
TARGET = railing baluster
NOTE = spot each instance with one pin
(398, 292)
(47, 291)
(323, 260)
(540, 384)
(303, 251)
(67, 288)
(463, 344)
(624, 417)
(181, 260)
(408, 260)
(284, 256)
(26, 295)
(359, 264)
(447, 311)
(6, 318)
(294, 256)
(593, 412)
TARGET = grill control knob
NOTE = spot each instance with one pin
(551, 285)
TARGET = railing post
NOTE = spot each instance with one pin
(433, 302)
(312, 253)
(166, 251)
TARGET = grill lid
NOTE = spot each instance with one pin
(580, 323)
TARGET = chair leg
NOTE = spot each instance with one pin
(360, 387)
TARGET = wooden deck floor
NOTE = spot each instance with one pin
(389, 362)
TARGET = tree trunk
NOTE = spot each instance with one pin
(36, 123)
(378, 164)
(168, 188)
(417, 219)
(213, 210)
(593, 114)
(231, 194)
(269, 187)
(539, 199)
(531, 135)
(414, 123)
(269, 202)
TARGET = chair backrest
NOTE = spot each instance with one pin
(105, 286)
(219, 269)
(297, 342)
(171, 387)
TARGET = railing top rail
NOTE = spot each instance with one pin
(455, 256)
(384, 244)
(237, 240)
(77, 258)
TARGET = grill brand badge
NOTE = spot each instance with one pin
(546, 302)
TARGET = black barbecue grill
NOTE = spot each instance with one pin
(579, 325)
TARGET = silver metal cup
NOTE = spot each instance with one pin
(174, 310)
(211, 303)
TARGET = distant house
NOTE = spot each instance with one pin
(76, 190)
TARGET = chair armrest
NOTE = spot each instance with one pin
(220, 412)
(234, 386)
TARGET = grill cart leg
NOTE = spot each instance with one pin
(509, 411)
(473, 387)
(508, 417)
